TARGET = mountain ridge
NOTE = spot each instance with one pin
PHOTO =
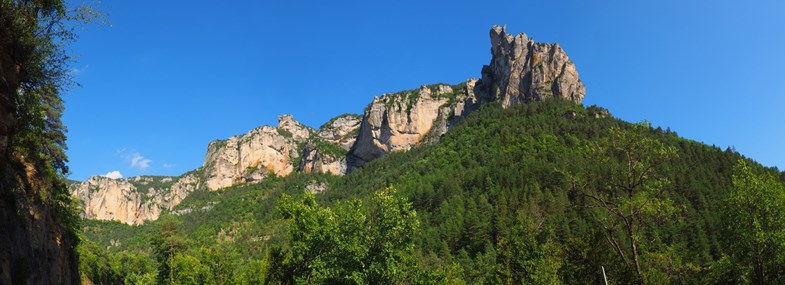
(520, 71)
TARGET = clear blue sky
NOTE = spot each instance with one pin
(167, 77)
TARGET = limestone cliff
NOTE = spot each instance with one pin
(134, 200)
(398, 121)
(250, 157)
(341, 130)
(326, 153)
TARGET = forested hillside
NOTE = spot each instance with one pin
(543, 193)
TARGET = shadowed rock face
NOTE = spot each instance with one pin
(341, 132)
(35, 248)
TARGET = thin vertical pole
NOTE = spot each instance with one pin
(605, 278)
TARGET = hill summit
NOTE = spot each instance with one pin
(521, 71)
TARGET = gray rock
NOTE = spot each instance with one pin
(522, 71)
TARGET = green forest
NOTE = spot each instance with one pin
(544, 193)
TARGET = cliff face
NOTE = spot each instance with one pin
(398, 121)
(341, 130)
(250, 157)
(134, 200)
(35, 247)
(326, 152)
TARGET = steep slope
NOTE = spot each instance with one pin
(37, 240)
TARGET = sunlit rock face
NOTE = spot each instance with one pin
(250, 157)
(133, 200)
(395, 122)
(522, 70)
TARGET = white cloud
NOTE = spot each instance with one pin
(113, 174)
(166, 165)
(138, 161)
(135, 158)
(76, 71)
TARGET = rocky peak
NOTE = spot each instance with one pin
(299, 131)
(522, 70)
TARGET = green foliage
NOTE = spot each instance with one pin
(284, 133)
(502, 198)
(349, 243)
(34, 72)
(168, 245)
(326, 148)
(326, 125)
(628, 191)
(756, 225)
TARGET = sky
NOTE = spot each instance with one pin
(162, 79)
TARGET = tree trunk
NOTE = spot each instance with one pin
(634, 248)
(9, 72)
(760, 270)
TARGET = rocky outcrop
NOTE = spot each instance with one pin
(318, 158)
(522, 70)
(326, 153)
(398, 121)
(134, 200)
(250, 157)
(298, 131)
(341, 130)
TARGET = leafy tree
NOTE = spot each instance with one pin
(97, 265)
(630, 191)
(166, 244)
(756, 222)
(221, 260)
(189, 270)
(351, 244)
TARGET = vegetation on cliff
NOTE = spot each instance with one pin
(38, 221)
